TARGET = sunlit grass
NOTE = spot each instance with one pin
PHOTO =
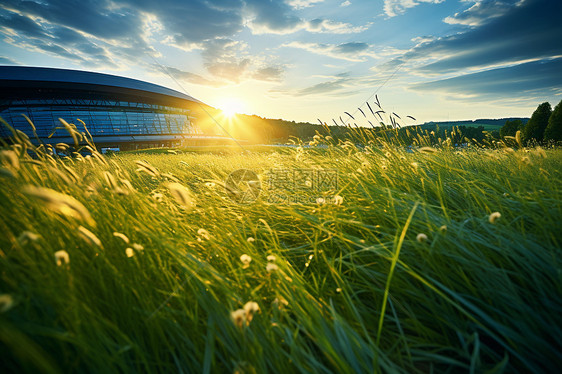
(439, 259)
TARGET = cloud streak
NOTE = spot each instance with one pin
(352, 51)
(482, 12)
(537, 78)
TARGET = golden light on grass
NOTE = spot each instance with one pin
(338, 200)
(129, 252)
(271, 258)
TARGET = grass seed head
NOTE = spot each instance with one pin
(145, 167)
(10, 159)
(540, 152)
(6, 303)
(245, 259)
(181, 194)
(238, 317)
(122, 237)
(60, 203)
(427, 150)
(422, 238)
(204, 234)
(271, 258)
(158, 197)
(251, 308)
(27, 237)
(89, 237)
(338, 200)
(250, 239)
(129, 252)
(494, 217)
(62, 258)
(271, 267)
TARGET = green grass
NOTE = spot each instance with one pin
(354, 291)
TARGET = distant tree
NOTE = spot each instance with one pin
(538, 122)
(553, 130)
(511, 127)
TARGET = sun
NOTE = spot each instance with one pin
(231, 106)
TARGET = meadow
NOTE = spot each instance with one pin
(430, 259)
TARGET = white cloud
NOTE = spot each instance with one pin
(345, 3)
(8, 61)
(482, 12)
(394, 8)
(300, 4)
(317, 25)
(327, 26)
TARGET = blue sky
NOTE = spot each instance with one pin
(308, 59)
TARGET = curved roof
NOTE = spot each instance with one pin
(98, 81)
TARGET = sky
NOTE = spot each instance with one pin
(305, 60)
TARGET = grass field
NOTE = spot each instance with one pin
(426, 261)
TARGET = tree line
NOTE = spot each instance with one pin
(544, 125)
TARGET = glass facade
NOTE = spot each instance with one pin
(102, 117)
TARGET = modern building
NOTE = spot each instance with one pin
(119, 113)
